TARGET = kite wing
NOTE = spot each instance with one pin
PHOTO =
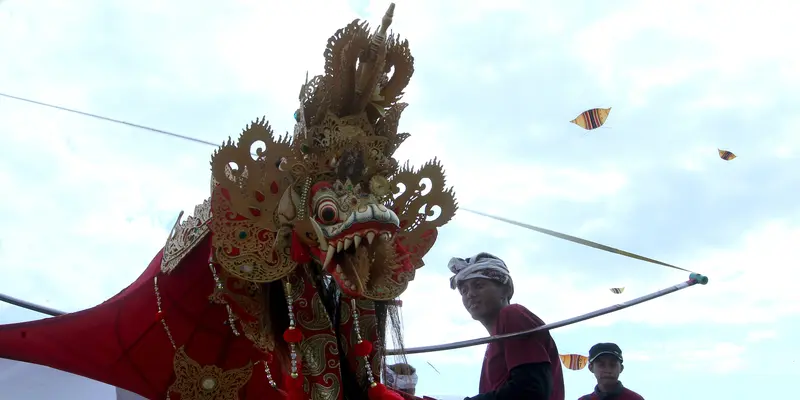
(575, 362)
(726, 155)
(592, 119)
(617, 290)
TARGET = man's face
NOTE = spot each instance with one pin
(483, 298)
(606, 369)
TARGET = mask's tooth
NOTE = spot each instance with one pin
(370, 237)
(347, 243)
(329, 256)
(357, 240)
(339, 246)
(386, 236)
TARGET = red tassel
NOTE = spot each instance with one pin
(364, 348)
(380, 392)
(292, 335)
(299, 252)
(294, 388)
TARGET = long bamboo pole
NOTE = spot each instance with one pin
(30, 306)
(694, 279)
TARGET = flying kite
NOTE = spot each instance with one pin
(617, 290)
(592, 119)
(575, 362)
(726, 155)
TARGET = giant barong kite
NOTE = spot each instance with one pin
(282, 285)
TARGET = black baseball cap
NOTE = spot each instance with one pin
(603, 349)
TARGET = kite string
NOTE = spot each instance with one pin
(501, 219)
(577, 240)
(86, 114)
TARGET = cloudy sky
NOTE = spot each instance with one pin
(86, 203)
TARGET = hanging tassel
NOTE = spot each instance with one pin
(294, 388)
(379, 391)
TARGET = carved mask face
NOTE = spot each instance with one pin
(355, 234)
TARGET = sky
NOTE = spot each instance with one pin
(87, 203)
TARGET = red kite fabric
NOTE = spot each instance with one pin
(121, 342)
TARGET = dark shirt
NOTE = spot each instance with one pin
(527, 367)
(619, 393)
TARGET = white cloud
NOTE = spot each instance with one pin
(761, 335)
(727, 357)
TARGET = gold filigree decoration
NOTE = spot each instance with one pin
(389, 287)
(330, 392)
(261, 339)
(254, 185)
(315, 350)
(185, 235)
(423, 191)
(365, 304)
(248, 296)
(196, 382)
(346, 130)
(244, 249)
(314, 318)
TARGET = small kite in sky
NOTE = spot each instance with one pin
(592, 119)
(617, 290)
(726, 155)
(575, 362)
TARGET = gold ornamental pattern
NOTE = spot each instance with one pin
(196, 382)
(185, 236)
(244, 249)
(419, 228)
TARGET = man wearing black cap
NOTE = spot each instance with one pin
(605, 362)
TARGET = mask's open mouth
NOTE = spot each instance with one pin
(348, 243)
(360, 256)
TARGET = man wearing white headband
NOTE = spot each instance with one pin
(526, 367)
(401, 377)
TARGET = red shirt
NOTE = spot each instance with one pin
(501, 357)
(620, 393)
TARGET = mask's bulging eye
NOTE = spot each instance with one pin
(327, 212)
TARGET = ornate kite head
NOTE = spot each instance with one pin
(332, 192)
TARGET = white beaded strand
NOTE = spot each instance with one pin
(163, 322)
(359, 340)
(269, 375)
(220, 286)
(293, 346)
(161, 314)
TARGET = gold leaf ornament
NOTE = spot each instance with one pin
(254, 184)
(185, 235)
(209, 382)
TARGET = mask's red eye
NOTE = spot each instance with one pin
(327, 212)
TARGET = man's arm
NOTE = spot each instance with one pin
(527, 381)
